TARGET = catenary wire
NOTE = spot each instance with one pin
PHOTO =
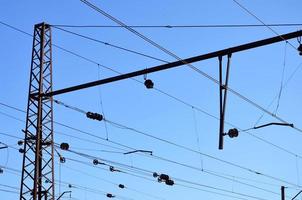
(179, 179)
(197, 136)
(161, 91)
(148, 40)
(282, 78)
(189, 149)
(18, 173)
(208, 113)
(190, 105)
(102, 105)
(180, 146)
(185, 165)
(148, 171)
(283, 86)
(262, 22)
(8, 186)
(110, 45)
(218, 193)
(205, 171)
(129, 172)
(9, 191)
(194, 68)
(220, 189)
(113, 183)
(82, 154)
(211, 174)
(182, 26)
(194, 151)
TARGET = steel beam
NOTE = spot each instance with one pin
(206, 56)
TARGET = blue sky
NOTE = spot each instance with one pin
(256, 74)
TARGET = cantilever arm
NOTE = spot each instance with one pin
(149, 70)
(274, 123)
(135, 151)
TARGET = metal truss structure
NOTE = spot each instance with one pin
(37, 180)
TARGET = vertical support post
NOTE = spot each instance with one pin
(221, 125)
(282, 193)
(37, 181)
(223, 97)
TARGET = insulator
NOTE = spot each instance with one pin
(233, 133)
(110, 195)
(155, 174)
(69, 185)
(95, 162)
(62, 159)
(111, 169)
(98, 116)
(20, 142)
(21, 150)
(169, 182)
(121, 186)
(89, 115)
(1, 171)
(95, 116)
(64, 146)
(164, 177)
(149, 84)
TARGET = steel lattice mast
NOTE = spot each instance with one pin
(37, 180)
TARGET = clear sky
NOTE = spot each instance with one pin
(182, 109)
